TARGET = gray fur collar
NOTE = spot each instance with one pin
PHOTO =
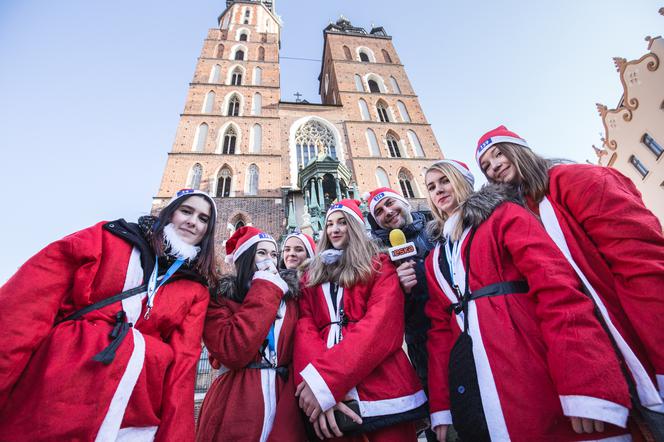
(226, 286)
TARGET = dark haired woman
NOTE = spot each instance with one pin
(75, 369)
(249, 334)
(596, 217)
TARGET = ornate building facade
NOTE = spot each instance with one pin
(278, 164)
(634, 131)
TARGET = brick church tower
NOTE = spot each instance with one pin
(277, 164)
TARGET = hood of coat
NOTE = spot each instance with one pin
(227, 285)
(480, 205)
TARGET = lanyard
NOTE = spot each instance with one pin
(271, 344)
(453, 256)
(152, 284)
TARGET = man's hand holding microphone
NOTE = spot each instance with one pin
(399, 254)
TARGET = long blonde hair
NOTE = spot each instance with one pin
(356, 265)
(461, 189)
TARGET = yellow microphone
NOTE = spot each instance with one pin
(400, 248)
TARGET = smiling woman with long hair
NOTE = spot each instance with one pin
(79, 362)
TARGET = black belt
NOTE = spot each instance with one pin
(497, 289)
(282, 370)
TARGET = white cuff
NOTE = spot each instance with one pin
(320, 389)
(274, 279)
(660, 384)
(441, 418)
(594, 408)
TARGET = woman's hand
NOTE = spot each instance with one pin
(308, 402)
(586, 425)
(407, 276)
(326, 425)
(441, 432)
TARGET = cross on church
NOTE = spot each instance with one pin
(297, 97)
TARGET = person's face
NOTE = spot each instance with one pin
(294, 253)
(191, 219)
(390, 213)
(497, 167)
(441, 191)
(336, 229)
(266, 250)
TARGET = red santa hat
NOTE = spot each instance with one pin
(376, 196)
(349, 207)
(189, 192)
(462, 168)
(242, 240)
(308, 242)
(499, 135)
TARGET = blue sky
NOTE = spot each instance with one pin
(91, 91)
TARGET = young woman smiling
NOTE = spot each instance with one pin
(515, 351)
(296, 249)
(77, 366)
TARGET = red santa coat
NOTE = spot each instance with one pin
(615, 244)
(247, 404)
(369, 362)
(540, 355)
(51, 389)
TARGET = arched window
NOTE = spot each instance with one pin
(403, 111)
(219, 53)
(247, 13)
(381, 108)
(252, 180)
(258, 76)
(230, 138)
(208, 105)
(404, 181)
(200, 138)
(237, 225)
(373, 86)
(347, 53)
(243, 37)
(214, 74)
(415, 142)
(395, 85)
(246, 21)
(234, 106)
(364, 57)
(372, 141)
(381, 177)
(358, 83)
(393, 146)
(236, 77)
(311, 139)
(256, 138)
(386, 56)
(364, 110)
(257, 104)
(261, 53)
(194, 181)
(224, 183)
(239, 54)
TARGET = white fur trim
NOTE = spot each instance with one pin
(137, 434)
(442, 283)
(466, 173)
(347, 210)
(660, 384)
(381, 196)
(622, 438)
(271, 277)
(393, 405)
(320, 389)
(648, 393)
(332, 310)
(268, 387)
(594, 408)
(250, 242)
(495, 140)
(305, 241)
(441, 418)
(178, 247)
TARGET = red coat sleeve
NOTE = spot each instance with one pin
(177, 412)
(440, 340)
(578, 349)
(630, 239)
(31, 298)
(308, 340)
(234, 333)
(370, 341)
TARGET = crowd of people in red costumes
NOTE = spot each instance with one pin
(531, 309)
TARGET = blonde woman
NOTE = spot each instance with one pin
(348, 343)
(596, 215)
(515, 351)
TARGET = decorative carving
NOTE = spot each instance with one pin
(599, 152)
(620, 63)
(661, 11)
(652, 65)
(602, 109)
(627, 114)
